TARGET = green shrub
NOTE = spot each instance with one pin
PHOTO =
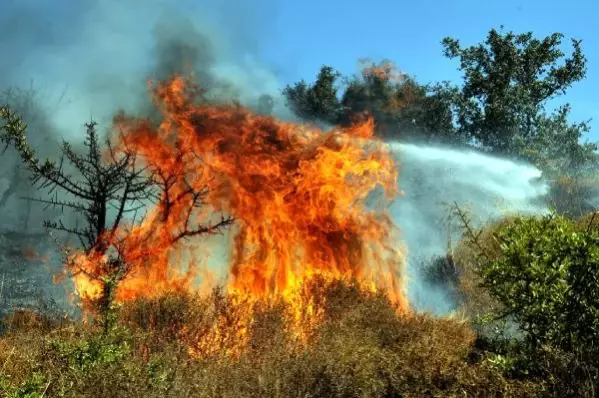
(528, 284)
(546, 279)
(34, 387)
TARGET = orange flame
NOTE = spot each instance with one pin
(300, 198)
(384, 70)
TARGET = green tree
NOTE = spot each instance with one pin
(557, 147)
(401, 107)
(396, 101)
(317, 101)
(508, 80)
(567, 163)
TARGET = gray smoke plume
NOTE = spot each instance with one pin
(69, 61)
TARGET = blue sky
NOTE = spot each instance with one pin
(409, 33)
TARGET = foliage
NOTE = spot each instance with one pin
(557, 149)
(507, 81)
(500, 107)
(32, 387)
(84, 354)
(540, 272)
(546, 278)
(528, 285)
(317, 101)
(568, 164)
(401, 107)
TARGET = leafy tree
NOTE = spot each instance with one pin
(434, 117)
(569, 164)
(557, 148)
(317, 101)
(400, 106)
(508, 79)
(394, 100)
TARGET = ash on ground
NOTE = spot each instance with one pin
(28, 262)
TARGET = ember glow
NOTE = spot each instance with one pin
(302, 200)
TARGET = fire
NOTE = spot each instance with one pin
(302, 199)
(385, 70)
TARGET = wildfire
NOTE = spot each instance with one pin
(385, 70)
(302, 199)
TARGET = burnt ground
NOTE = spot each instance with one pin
(27, 263)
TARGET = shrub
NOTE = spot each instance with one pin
(546, 278)
(361, 348)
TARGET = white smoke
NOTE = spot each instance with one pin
(433, 178)
(76, 60)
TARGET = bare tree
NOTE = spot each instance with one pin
(116, 184)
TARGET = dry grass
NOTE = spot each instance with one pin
(588, 221)
(361, 349)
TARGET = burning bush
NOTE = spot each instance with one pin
(298, 195)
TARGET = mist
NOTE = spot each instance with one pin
(434, 178)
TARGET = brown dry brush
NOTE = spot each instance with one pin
(362, 348)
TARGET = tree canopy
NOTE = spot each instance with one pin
(507, 81)
(401, 107)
